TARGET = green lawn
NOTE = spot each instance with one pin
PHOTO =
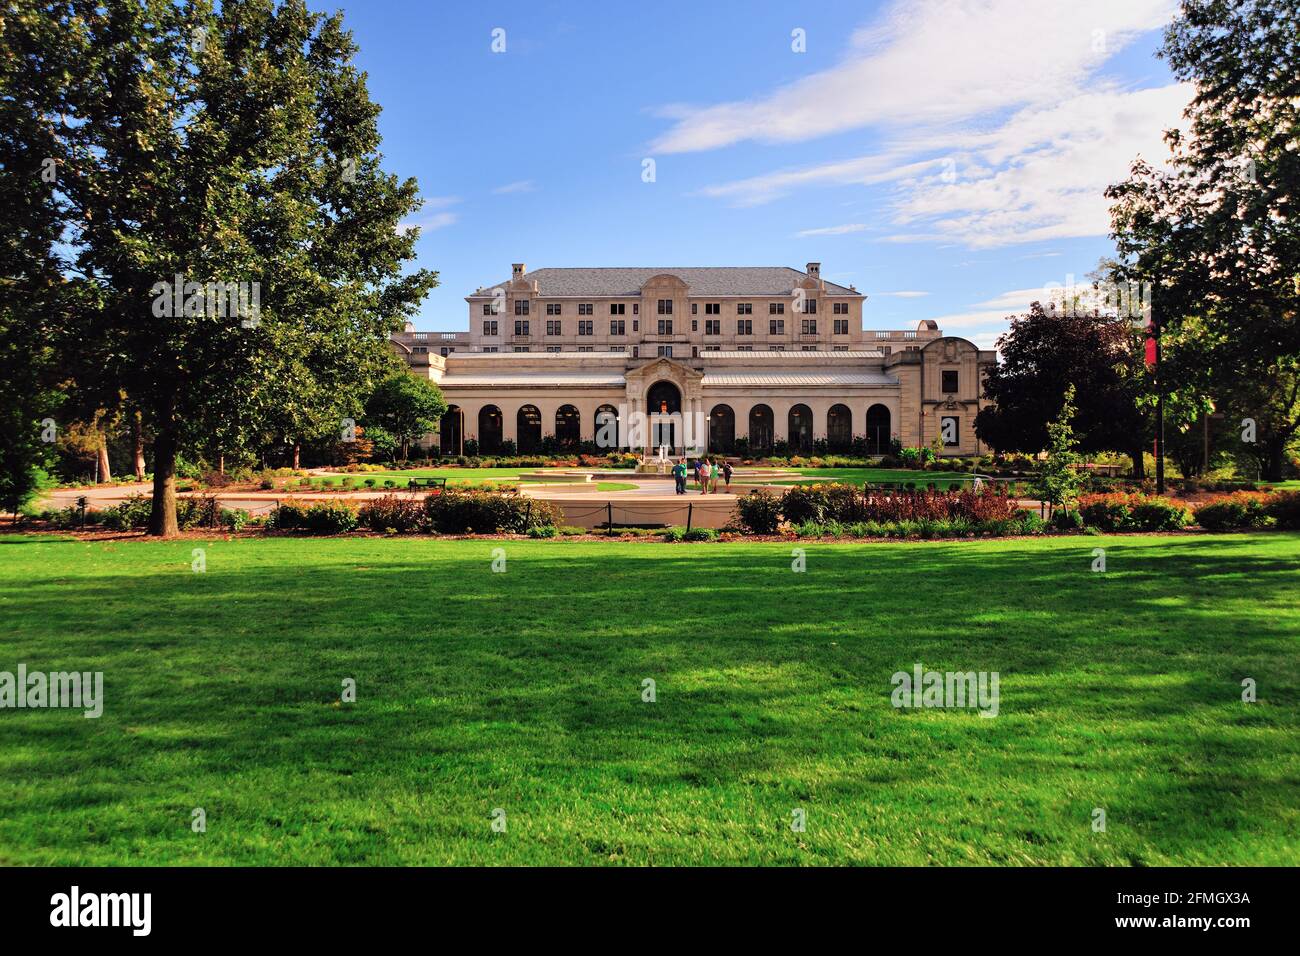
(858, 476)
(478, 690)
(475, 476)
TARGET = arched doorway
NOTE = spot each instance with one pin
(760, 429)
(568, 426)
(664, 399)
(877, 430)
(722, 430)
(801, 428)
(607, 437)
(489, 430)
(839, 428)
(450, 433)
(529, 425)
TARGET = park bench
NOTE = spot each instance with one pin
(416, 484)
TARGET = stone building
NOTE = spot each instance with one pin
(766, 354)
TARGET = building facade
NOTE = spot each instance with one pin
(764, 354)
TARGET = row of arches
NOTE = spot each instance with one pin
(761, 433)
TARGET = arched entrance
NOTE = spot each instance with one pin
(529, 425)
(722, 430)
(664, 399)
(489, 430)
(568, 426)
(877, 430)
(801, 428)
(607, 428)
(839, 428)
(760, 429)
(450, 434)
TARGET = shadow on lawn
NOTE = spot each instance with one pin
(764, 677)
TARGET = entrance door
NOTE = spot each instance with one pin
(664, 399)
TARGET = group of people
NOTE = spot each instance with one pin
(705, 472)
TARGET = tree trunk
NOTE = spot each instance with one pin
(297, 455)
(137, 443)
(105, 472)
(221, 463)
(1274, 448)
(162, 516)
(1139, 462)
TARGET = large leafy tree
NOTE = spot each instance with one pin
(1046, 350)
(1217, 233)
(236, 145)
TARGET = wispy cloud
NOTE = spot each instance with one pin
(832, 230)
(986, 139)
(433, 215)
(520, 186)
(898, 295)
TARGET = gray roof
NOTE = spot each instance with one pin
(703, 281)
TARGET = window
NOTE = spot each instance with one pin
(636, 351)
(521, 348)
(618, 348)
(553, 326)
(616, 327)
(521, 306)
(695, 308)
(713, 348)
(554, 348)
(521, 327)
(665, 326)
(490, 327)
(841, 326)
(744, 348)
(489, 308)
(444, 351)
(712, 326)
(665, 350)
(585, 308)
(617, 308)
(808, 326)
(841, 348)
(585, 348)
(636, 308)
(744, 326)
(744, 308)
(949, 381)
(778, 348)
(421, 350)
(840, 308)
(553, 308)
(776, 326)
(776, 308)
(808, 348)
(490, 348)
(712, 308)
(584, 327)
(636, 326)
(948, 429)
(886, 350)
(695, 326)
(665, 306)
(810, 306)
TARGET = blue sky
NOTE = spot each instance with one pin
(953, 151)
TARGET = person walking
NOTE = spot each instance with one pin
(714, 471)
(726, 475)
(704, 476)
(679, 476)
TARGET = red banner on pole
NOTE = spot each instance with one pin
(1151, 345)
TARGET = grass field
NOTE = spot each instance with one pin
(480, 690)
(857, 476)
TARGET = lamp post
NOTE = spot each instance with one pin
(1152, 361)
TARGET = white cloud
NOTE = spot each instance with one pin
(832, 230)
(995, 127)
(898, 295)
(932, 61)
(429, 218)
(520, 186)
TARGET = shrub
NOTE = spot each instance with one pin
(1107, 512)
(335, 517)
(393, 513)
(266, 484)
(544, 531)
(1132, 512)
(131, 513)
(700, 534)
(569, 531)
(759, 512)
(1284, 508)
(1063, 519)
(1030, 523)
(457, 511)
(234, 518)
(200, 512)
(674, 534)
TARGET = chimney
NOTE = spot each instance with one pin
(814, 270)
(517, 270)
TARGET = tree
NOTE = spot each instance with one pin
(224, 195)
(1059, 479)
(1217, 234)
(405, 407)
(1048, 347)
